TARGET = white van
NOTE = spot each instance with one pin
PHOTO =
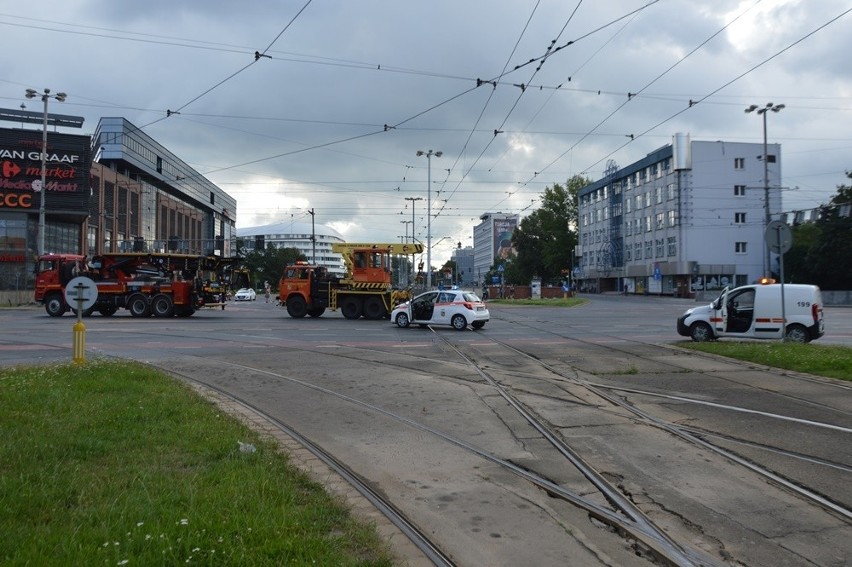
(754, 312)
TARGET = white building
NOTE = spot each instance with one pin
(492, 238)
(689, 216)
(298, 235)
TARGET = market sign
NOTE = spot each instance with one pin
(67, 163)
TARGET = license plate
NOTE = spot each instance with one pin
(480, 308)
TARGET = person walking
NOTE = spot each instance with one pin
(266, 290)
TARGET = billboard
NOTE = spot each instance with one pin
(503, 229)
(66, 173)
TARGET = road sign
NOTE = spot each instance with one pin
(779, 237)
(81, 293)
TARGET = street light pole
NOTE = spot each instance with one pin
(413, 200)
(429, 155)
(767, 216)
(31, 93)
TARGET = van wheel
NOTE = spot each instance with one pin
(797, 334)
(701, 332)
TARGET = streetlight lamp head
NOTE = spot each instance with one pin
(60, 97)
(419, 153)
(751, 108)
(439, 153)
(31, 93)
(777, 108)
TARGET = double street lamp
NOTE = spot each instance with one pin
(429, 155)
(767, 216)
(32, 93)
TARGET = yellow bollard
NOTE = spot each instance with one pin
(79, 342)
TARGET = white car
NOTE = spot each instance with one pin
(449, 307)
(245, 294)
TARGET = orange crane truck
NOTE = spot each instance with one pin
(365, 290)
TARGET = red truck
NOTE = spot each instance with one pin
(145, 284)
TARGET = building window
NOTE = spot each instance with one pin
(649, 250)
(658, 195)
(740, 247)
(670, 191)
(739, 190)
(661, 222)
(648, 199)
(672, 215)
(739, 163)
(648, 224)
(628, 205)
(739, 218)
(672, 245)
(659, 247)
(628, 254)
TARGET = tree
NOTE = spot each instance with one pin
(267, 265)
(828, 257)
(545, 240)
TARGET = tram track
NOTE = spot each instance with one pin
(692, 436)
(662, 548)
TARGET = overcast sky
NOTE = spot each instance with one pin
(330, 117)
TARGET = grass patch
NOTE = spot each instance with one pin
(117, 463)
(832, 361)
(555, 302)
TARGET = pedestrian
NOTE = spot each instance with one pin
(512, 291)
(266, 290)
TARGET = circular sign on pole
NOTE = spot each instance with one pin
(81, 293)
(779, 237)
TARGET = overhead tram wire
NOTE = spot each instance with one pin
(541, 59)
(257, 56)
(725, 85)
(631, 95)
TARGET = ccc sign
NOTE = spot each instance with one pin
(14, 200)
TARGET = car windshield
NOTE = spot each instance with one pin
(470, 297)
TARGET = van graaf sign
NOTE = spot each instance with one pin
(66, 172)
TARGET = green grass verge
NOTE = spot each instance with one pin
(116, 463)
(832, 361)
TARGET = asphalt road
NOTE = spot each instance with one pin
(352, 387)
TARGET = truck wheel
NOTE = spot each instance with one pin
(458, 322)
(797, 334)
(138, 305)
(701, 332)
(162, 306)
(86, 312)
(374, 308)
(107, 311)
(316, 311)
(54, 305)
(351, 308)
(296, 307)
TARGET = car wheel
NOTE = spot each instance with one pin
(54, 305)
(402, 320)
(138, 305)
(296, 307)
(701, 332)
(351, 308)
(374, 309)
(477, 324)
(797, 334)
(458, 322)
(162, 306)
